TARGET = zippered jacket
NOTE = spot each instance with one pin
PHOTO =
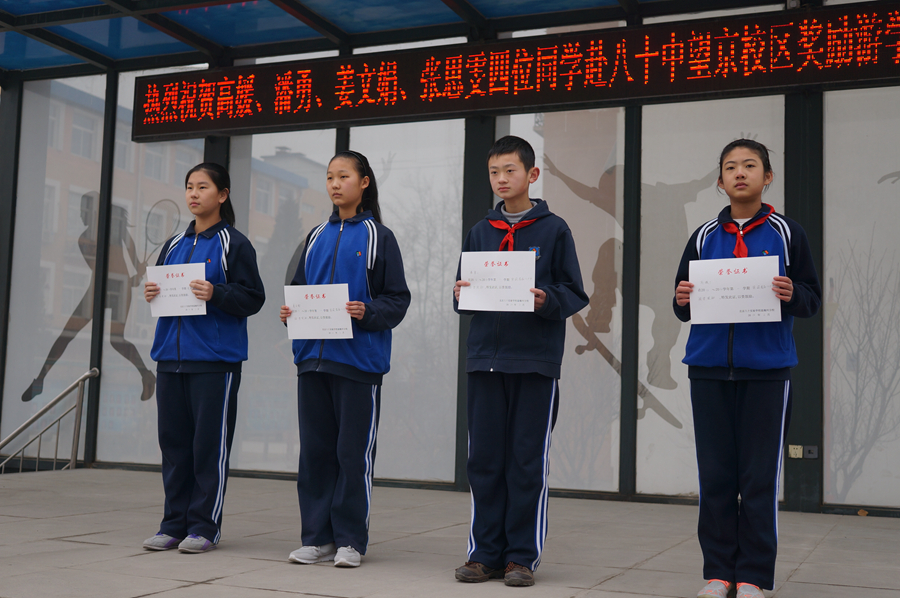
(527, 342)
(216, 341)
(759, 350)
(365, 255)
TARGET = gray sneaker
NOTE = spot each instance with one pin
(161, 542)
(346, 556)
(313, 554)
(195, 544)
(716, 588)
(746, 590)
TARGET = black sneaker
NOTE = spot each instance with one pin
(473, 572)
(517, 575)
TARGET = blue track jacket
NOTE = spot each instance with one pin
(216, 342)
(527, 342)
(751, 351)
(365, 255)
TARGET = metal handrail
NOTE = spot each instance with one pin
(76, 436)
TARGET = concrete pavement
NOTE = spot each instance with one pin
(78, 534)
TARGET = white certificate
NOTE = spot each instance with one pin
(499, 281)
(319, 311)
(175, 296)
(732, 291)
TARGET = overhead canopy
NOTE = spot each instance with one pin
(49, 38)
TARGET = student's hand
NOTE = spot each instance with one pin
(683, 293)
(459, 284)
(783, 287)
(151, 290)
(202, 289)
(540, 297)
(285, 313)
(356, 309)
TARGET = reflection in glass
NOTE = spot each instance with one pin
(54, 251)
(578, 154)
(681, 145)
(862, 298)
(147, 208)
(419, 172)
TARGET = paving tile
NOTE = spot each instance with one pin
(850, 575)
(76, 583)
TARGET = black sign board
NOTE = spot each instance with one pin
(856, 42)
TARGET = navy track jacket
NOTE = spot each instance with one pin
(759, 350)
(215, 342)
(365, 255)
(527, 342)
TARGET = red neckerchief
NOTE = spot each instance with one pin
(740, 250)
(508, 239)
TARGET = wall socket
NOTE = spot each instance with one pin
(795, 451)
(810, 452)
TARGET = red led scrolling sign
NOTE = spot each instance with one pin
(851, 43)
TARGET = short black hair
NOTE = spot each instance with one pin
(513, 145)
(754, 146)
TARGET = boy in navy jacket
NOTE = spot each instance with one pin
(513, 365)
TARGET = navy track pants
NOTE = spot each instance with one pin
(338, 426)
(511, 417)
(196, 417)
(740, 427)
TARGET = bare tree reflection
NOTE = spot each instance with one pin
(864, 362)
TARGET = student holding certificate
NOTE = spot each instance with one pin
(339, 380)
(513, 367)
(741, 379)
(199, 363)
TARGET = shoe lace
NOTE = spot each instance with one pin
(511, 566)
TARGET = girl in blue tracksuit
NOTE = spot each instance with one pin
(199, 363)
(339, 381)
(741, 380)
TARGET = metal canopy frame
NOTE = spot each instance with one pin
(473, 25)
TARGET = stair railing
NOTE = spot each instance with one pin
(76, 435)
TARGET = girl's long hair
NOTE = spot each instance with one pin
(222, 180)
(370, 193)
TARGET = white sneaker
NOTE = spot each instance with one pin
(747, 590)
(346, 557)
(717, 589)
(313, 554)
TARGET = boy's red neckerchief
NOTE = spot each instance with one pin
(740, 249)
(508, 239)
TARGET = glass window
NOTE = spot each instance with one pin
(681, 146)
(266, 436)
(148, 208)
(861, 298)
(264, 202)
(124, 157)
(156, 156)
(54, 125)
(84, 134)
(419, 170)
(51, 301)
(578, 153)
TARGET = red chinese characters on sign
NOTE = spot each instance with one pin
(496, 264)
(384, 80)
(175, 275)
(293, 95)
(670, 59)
(314, 296)
(729, 271)
(195, 101)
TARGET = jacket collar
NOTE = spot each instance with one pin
(725, 214)
(208, 233)
(334, 218)
(539, 210)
